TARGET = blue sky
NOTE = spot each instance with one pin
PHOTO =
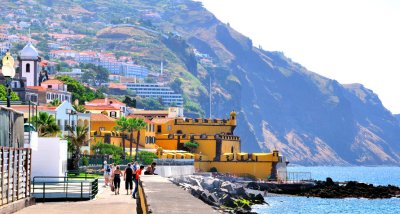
(350, 41)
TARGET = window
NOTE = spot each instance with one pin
(113, 114)
(158, 128)
(169, 127)
(28, 68)
(49, 86)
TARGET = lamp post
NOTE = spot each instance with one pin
(8, 73)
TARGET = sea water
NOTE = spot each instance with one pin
(372, 175)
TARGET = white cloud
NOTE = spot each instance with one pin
(350, 41)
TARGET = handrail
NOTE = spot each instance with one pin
(65, 188)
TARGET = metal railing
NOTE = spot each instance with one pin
(174, 162)
(54, 188)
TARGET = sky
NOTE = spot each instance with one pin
(351, 41)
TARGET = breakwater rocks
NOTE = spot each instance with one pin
(225, 195)
(328, 189)
(351, 189)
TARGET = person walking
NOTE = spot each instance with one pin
(117, 179)
(106, 172)
(138, 173)
(128, 177)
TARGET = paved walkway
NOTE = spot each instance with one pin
(105, 202)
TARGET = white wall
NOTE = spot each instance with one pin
(172, 171)
(49, 157)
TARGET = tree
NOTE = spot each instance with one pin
(46, 124)
(122, 126)
(136, 124)
(55, 102)
(77, 138)
(191, 145)
(79, 108)
(3, 94)
(130, 102)
(79, 91)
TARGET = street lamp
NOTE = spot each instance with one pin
(8, 73)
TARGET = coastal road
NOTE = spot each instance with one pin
(105, 202)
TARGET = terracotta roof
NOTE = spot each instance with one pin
(53, 81)
(139, 116)
(117, 86)
(39, 88)
(150, 112)
(161, 120)
(101, 107)
(102, 101)
(40, 108)
(101, 117)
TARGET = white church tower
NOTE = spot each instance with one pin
(29, 65)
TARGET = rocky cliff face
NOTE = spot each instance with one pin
(309, 118)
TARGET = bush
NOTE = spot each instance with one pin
(107, 149)
(191, 145)
(85, 161)
(213, 169)
(146, 157)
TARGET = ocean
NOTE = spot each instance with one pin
(372, 175)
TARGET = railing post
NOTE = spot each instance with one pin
(44, 191)
(81, 189)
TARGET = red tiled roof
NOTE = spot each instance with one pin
(101, 107)
(53, 81)
(161, 120)
(151, 112)
(101, 117)
(139, 116)
(26, 108)
(117, 86)
(102, 101)
(39, 88)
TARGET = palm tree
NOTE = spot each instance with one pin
(77, 138)
(122, 126)
(55, 102)
(46, 124)
(135, 124)
(79, 108)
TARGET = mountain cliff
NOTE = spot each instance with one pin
(281, 105)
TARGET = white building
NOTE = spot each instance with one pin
(154, 90)
(133, 70)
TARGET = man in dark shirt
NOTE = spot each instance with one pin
(128, 176)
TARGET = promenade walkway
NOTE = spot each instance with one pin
(105, 202)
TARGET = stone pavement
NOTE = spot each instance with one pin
(105, 202)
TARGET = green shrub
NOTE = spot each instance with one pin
(85, 161)
(146, 157)
(213, 169)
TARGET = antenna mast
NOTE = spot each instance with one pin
(210, 97)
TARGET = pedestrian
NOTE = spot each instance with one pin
(111, 176)
(106, 172)
(151, 169)
(117, 179)
(138, 173)
(135, 166)
(128, 177)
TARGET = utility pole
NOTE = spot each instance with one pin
(210, 97)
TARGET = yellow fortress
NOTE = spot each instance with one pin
(218, 147)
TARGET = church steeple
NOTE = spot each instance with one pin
(29, 66)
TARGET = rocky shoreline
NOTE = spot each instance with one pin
(328, 189)
(224, 195)
(351, 189)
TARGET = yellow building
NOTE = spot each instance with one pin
(103, 130)
(218, 146)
